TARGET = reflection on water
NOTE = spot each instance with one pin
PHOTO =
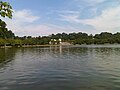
(60, 68)
(7, 54)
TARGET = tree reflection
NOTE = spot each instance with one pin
(7, 55)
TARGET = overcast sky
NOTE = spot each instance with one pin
(44, 17)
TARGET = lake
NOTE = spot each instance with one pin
(91, 67)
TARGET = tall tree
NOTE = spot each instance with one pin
(5, 11)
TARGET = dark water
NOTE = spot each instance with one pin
(60, 68)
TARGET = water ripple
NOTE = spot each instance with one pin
(60, 68)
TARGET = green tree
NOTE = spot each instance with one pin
(5, 11)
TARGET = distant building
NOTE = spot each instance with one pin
(53, 42)
(58, 42)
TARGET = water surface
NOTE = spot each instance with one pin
(60, 68)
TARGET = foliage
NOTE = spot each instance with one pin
(5, 33)
(74, 38)
(2, 42)
(5, 9)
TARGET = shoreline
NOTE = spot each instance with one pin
(25, 46)
(29, 46)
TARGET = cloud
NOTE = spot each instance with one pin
(70, 18)
(40, 30)
(44, 29)
(91, 2)
(109, 20)
(25, 16)
(95, 1)
(64, 12)
(23, 24)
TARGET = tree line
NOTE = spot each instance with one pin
(7, 37)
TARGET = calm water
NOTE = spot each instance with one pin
(60, 68)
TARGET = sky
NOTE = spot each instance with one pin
(44, 17)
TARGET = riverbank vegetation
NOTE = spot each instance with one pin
(72, 38)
